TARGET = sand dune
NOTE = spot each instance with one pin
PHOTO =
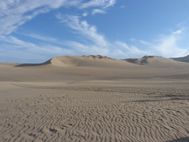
(93, 61)
(82, 61)
(87, 61)
(95, 99)
(153, 60)
(94, 67)
(103, 61)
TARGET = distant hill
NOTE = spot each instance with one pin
(182, 59)
(140, 61)
(151, 60)
(104, 61)
(81, 61)
(95, 67)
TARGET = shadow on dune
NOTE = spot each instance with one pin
(31, 65)
(165, 98)
(186, 139)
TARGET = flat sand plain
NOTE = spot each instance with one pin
(95, 100)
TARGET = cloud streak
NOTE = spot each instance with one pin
(98, 11)
(18, 50)
(166, 45)
(15, 13)
(98, 3)
(83, 28)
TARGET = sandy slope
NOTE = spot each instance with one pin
(95, 99)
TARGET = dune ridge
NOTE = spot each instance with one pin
(147, 60)
(104, 61)
(82, 61)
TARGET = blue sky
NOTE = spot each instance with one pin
(34, 31)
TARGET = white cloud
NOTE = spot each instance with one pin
(46, 47)
(85, 14)
(14, 13)
(98, 3)
(44, 38)
(128, 50)
(166, 45)
(15, 49)
(84, 28)
(82, 49)
(30, 46)
(20, 50)
(98, 11)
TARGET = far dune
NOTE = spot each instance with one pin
(182, 59)
(155, 61)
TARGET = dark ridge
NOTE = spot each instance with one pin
(97, 56)
(33, 64)
(186, 139)
(140, 61)
(182, 59)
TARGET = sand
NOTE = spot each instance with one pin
(87, 99)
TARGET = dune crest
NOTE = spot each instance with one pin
(79, 60)
(104, 61)
(149, 60)
(86, 61)
(65, 61)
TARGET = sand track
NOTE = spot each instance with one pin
(94, 114)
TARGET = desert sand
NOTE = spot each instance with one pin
(95, 99)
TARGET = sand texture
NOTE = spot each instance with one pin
(95, 99)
